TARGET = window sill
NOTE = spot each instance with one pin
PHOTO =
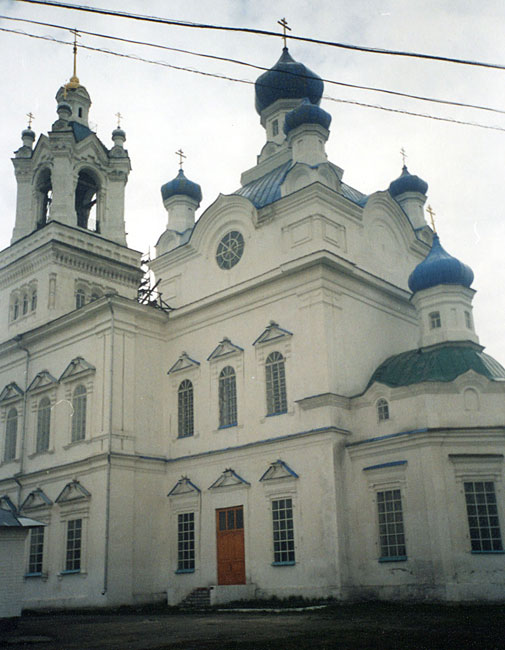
(72, 572)
(394, 558)
(271, 415)
(227, 426)
(179, 571)
(76, 442)
(292, 563)
(41, 453)
(42, 576)
(487, 552)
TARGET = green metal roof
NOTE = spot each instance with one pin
(441, 363)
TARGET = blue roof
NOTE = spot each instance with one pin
(439, 268)
(80, 131)
(267, 189)
(288, 79)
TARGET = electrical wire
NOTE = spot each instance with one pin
(257, 67)
(247, 81)
(262, 32)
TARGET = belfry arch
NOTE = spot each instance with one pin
(44, 196)
(87, 192)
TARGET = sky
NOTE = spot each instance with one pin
(213, 120)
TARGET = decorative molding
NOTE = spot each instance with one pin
(229, 478)
(11, 392)
(477, 466)
(184, 362)
(183, 486)
(279, 470)
(77, 367)
(324, 399)
(73, 491)
(41, 381)
(272, 333)
(36, 499)
(225, 348)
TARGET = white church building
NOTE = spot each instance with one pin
(307, 411)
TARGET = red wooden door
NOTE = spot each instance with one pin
(230, 546)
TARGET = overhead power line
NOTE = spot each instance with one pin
(247, 81)
(257, 67)
(262, 32)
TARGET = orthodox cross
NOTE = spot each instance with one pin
(76, 34)
(284, 24)
(404, 155)
(119, 117)
(431, 212)
(181, 156)
(30, 117)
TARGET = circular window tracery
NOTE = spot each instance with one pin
(229, 250)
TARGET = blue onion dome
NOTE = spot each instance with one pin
(181, 185)
(439, 268)
(306, 113)
(407, 182)
(118, 133)
(288, 79)
(28, 133)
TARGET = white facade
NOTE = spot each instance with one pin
(282, 386)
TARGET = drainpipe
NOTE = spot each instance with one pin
(18, 340)
(108, 480)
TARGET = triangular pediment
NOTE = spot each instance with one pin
(77, 366)
(228, 478)
(272, 333)
(278, 470)
(183, 486)
(224, 349)
(184, 362)
(42, 379)
(36, 499)
(6, 504)
(11, 391)
(73, 491)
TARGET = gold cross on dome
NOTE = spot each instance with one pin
(284, 24)
(30, 117)
(119, 118)
(404, 155)
(181, 156)
(431, 212)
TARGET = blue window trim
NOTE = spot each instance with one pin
(227, 426)
(394, 558)
(70, 571)
(184, 571)
(487, 552)
(291, 563)
(37, 574)
(271, 415)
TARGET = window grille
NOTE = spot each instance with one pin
(74, 545)
(382, 410)
(283, 530)
(11, 432)
(275, 384)
(186, 541)
(80, 298)
(43, 424)
(435, 320)
(227, 397)
(36, 550)
(468, 320)
(391, 531)
(482, 511)
(275, 128)
(79, 401)
(185, 409)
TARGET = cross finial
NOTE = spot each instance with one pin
(30, 117)
(404, 155)
(431, 212)
(119, 118)
(181, 156)
(284, 24)
(74, 81)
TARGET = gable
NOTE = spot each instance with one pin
(42, 380)
(36, 499)
(224, 349)
(228, 478)
(272, 333)
(77, 366)
(183, 486)
(183, 363)
(278, 470)
(11, 392)
(73, 491)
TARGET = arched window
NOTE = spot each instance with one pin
(25, 304)
(227, 397)
(11, 434)
(15, 309)
(435, 320)
(275, 384)
(80, 298)
(79, 401)
(85, 199)
(382, 410)
(185, 409)
(33, 305)
(43, 424)
(95, 295)
(45, 194)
